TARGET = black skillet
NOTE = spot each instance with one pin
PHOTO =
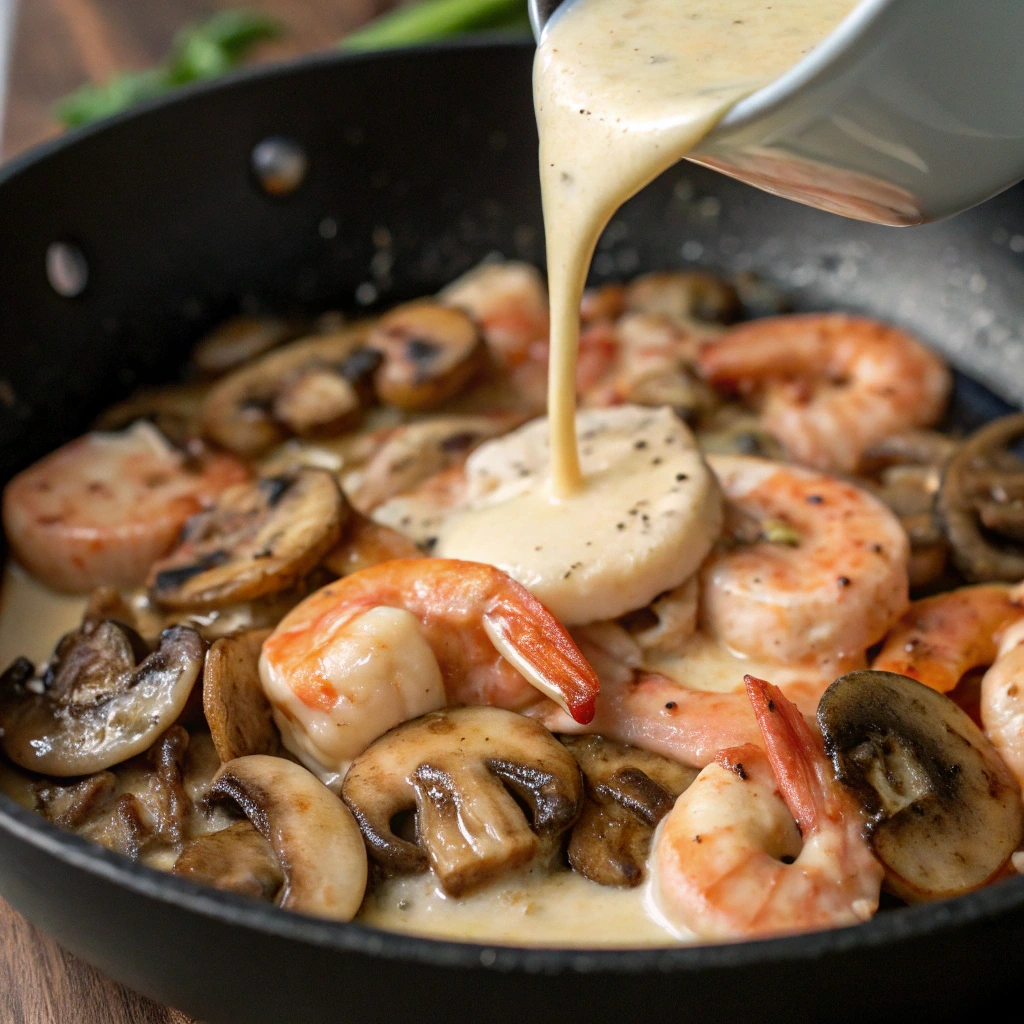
(419, 164)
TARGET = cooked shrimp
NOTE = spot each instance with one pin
(102, 509)
(941, 638)
(816, 570)
(1002, 700)
(649, 710)
(830, 386)
(764, 845)
(493, 642)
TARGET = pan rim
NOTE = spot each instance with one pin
(29, 828)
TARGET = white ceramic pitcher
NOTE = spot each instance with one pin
(910, 111)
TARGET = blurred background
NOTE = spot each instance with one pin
(73, 61)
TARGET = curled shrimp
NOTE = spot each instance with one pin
(942, 638)
(813, 570)
(649, 710)
(765, 844)
(1002, 700)
(830, 386)
(397, 639)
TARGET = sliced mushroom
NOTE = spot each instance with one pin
(315, 839)
(261, 404)
(365, 543)
(240, 339)
(761, 297)
(736, 432)
(629, 791)
(462, 771)
(258, 539)
(684, 296)
(237, 859)
(430, 351)
(412, 452)
(102, 698)
(236, 708)
(945, 812)
(175, 411)
(981, 503)
(71, 806)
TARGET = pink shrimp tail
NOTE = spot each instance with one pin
(803, 774)
(543, 643)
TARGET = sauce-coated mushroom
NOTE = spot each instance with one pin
(258, 539)
(945, 812)
(458, 769)
(629, 791)
(315, 839)
(102, 698)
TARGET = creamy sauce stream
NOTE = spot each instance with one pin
(623, 90)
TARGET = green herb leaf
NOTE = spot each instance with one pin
(431, 20)
(200, 52)
(93, 102)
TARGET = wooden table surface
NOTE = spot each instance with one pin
(59, 45)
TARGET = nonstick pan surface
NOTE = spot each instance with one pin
(419, 164)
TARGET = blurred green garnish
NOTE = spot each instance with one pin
(432, 20)
(199, 52)
(225, 40)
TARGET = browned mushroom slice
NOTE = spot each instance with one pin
(945, 811)
(430, 353)
(174, 410)
(413, 452)
(980, 503)
(258, 539)
(315, 839)
(629, 791)
(734, 432)
(761, 297)
(237, 859)
(237, 711)
(102, 698)
(71, 806)
(320, 403)
(240, 339)
(458, 769)
(684, 296)
(261, 404)
(365, 543)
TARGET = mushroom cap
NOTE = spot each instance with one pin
(241, 411)
(981, 471)
(237, 340)
(102, 699)
(315, 838)
(461, 770)
(259, 538)
(236, 859)
(236, 708)
(629, 791)
(431, 351)
(945, 811)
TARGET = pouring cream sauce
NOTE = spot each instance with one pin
(623, 90)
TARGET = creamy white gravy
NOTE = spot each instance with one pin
(535, 907)
(623, 90)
